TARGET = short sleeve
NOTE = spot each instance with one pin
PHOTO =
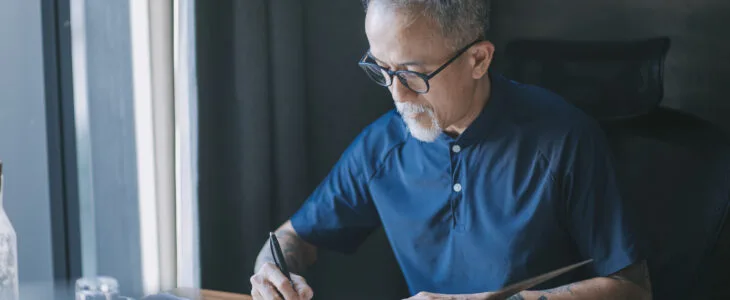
(600, 221)
(339, 215)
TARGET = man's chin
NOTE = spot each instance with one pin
(416, 117)
(422, 134)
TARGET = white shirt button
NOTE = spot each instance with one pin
(456, 148)
(457, 187)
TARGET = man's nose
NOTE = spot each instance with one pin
(400, 92)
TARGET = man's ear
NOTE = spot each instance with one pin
(482, 54)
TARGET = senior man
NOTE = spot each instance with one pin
(478, 181)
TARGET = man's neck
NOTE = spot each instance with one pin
(481, 97)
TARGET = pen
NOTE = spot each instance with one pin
(279, 259)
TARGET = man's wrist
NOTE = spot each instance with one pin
(263, 257)
(261, 261)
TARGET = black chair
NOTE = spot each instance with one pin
(672, 167)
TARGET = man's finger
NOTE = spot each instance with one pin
(257, 284)
(303, 289)
(281, 283)
(267, 267)
(256, 279)
(305, 292)
(256, 295)
(263, 292)
(269, 292)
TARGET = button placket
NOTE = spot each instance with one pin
(456, 186)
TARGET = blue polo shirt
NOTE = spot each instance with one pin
(527, 188)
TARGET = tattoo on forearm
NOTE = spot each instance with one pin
(290, 247)
(637, 274)
(557, 290)
(561, 289)
(516, 297)
(291, 250)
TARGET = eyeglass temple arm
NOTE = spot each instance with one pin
(442, 67)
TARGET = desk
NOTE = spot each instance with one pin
(196, 294)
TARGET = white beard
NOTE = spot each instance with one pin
(417, 130)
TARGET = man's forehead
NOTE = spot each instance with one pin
(407, 51)
(397, 44)
(398, 54)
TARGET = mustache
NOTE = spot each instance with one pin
(410, 108)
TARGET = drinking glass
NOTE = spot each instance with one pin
(98, 288)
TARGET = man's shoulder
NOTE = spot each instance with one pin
(385, 133)
(377, 140)
(557, 124)
(540, 104)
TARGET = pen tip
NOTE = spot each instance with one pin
(271, 234)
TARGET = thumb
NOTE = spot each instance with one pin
(302, 288)
(305, 292)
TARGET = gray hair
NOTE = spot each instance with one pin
(460, 21)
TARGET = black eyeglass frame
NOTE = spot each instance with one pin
(426, 77)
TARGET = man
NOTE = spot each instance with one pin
(478, 181)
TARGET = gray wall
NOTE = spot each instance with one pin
(698, 64)
(23, 145)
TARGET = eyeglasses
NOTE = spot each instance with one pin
(415, 81)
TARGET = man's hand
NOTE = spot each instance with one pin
(269, 284)
(433, 296)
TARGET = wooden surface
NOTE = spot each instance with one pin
(195, 294)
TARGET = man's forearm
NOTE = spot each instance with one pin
(596, 288)
(630, 283)
(298, 253)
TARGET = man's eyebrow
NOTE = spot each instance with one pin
(403, 64)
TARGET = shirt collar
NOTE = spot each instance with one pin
(487, 119)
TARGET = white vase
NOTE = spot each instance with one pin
(8, 252)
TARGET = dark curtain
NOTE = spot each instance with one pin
(280, 98)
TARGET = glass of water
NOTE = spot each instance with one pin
(98, 288)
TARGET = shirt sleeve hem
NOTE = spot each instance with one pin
(308, 234)
(617, 263)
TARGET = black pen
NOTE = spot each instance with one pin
(279, 259)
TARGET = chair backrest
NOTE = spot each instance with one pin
(606, 79)
(673, 167)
